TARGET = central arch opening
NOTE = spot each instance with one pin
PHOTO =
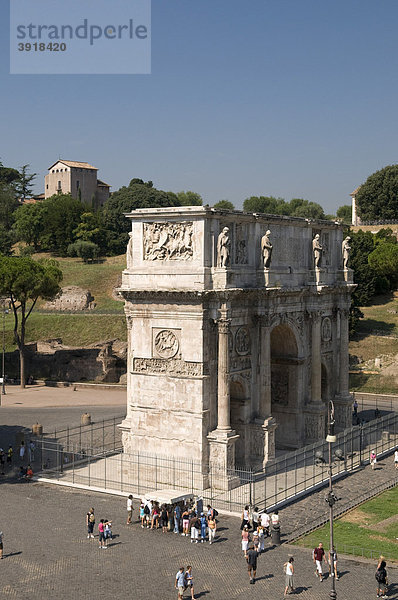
(239, 419)
(285, 387)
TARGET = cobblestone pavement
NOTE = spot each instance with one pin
(47, 555)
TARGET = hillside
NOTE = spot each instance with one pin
(377, 337)
(105, 321)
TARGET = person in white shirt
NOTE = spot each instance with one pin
(289, 571)
(265, 521)
(129, 509)
(396, 458)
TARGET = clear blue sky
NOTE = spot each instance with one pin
(292, 98)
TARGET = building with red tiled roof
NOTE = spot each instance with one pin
(78, 179)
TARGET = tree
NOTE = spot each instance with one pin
(137, 195)
(91, 229)
(8, 206)
(28, 224)
(344, 214)
(61, 216)
(377, 198)
(384, 260)
(189, 198)
(8, 175)
(266, 204)
(305, 209)
(224, 205)
(24, 184)
(24, 281)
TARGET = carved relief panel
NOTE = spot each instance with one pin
(168, 241)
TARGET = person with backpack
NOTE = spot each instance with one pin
(381, 578)
(142, 514)
(147, 513)
(90, 521)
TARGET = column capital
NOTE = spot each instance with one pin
(223, 325)
(344, 312)
(314, 315)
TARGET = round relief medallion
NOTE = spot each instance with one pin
(242, 341)
(166, 344)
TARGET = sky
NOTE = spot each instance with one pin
(290, 98)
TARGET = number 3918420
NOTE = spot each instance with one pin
(42, 47)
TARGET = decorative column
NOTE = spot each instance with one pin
(315, 411)
(316, 364)
(126, 424)
(265, 424)
(223, 397)
(222, 439)
(343, 402)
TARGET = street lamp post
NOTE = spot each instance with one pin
(331, 497)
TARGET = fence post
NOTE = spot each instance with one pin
(121, 471)
(105, 471)
(89, 479)
(91, 436)
(73, 467)
(103, 435)
(114, 433)
(80, 435)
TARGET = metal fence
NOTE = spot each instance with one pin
(68, 455)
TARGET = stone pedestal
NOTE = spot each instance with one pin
(263, 442)
(343, 412)
(315, 415)
(347, 275)
(222, 459)
(222, 277)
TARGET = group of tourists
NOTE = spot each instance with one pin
(104, 529)
(184, 581)
(182, 518)
(260, 524)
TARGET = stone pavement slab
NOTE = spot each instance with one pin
(47, 555)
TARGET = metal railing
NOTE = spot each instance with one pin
(93, 456)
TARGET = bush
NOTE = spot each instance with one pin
(85, 250)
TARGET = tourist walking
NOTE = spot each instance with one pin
(155, 516)
(245, 540)
(189, 581)
(252, 563)
(101, 534)
(333, 555)
(212, 528)
(164, 518)
(265, 523)
(9, 455)
(129, 509)
(245, 518)
(142, 513)
(289, 572)
(203, 527)
(90, 521)
(195, 528)
(255, 518)
(261, 539)
(373, 459)
(1, 545)
(2, 460)
(319, 556)
(22, 451)
(185, 522)
(396, 458)
(148, 512)
(179, 583)
(31, 451)
(108, 530)
(177, 516)
(381, 578)
(355, 408)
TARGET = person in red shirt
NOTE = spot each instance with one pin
(319, 556)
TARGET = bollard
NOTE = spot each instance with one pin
(85, 419)
(276, 534)
(37, 429)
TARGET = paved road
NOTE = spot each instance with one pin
(47, 555)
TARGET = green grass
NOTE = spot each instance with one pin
(362, 531)
(373, 383)
(106, 321)
(99, 278)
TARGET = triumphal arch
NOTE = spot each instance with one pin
(237, 334)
